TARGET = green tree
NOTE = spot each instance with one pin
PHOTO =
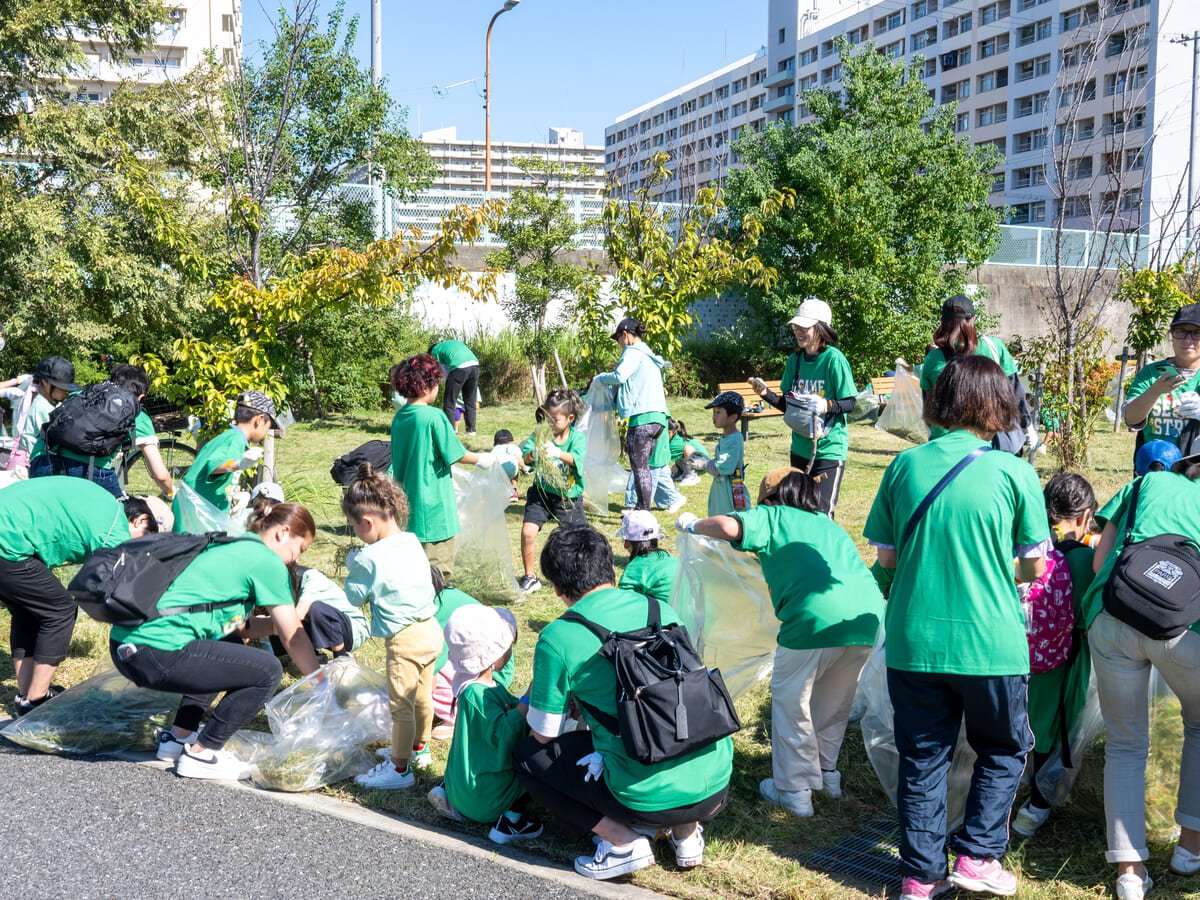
(539, 232)
(1155, 295)
(891, 208)
(664, 257)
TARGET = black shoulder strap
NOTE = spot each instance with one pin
(1070, 544)
(937, 489)
(571, 616)
(654, 616)
(1133, 501)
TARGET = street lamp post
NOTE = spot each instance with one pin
(1194, 40)
(487, 96)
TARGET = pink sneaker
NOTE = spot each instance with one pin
(911, 889)
(983, 876)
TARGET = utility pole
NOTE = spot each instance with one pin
(487, 96)
(376, 77)
(1194, 40)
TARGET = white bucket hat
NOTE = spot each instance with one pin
(477, 636)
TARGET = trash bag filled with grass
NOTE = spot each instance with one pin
(107, 713)
(602, 470)
(483, 557)
(904, 414)
(321, 727)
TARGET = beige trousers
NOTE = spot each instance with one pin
(811, 695)
(411, 653)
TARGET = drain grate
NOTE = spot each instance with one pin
(871, 855)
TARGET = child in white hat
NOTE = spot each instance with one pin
(480, 784)
(651, 570)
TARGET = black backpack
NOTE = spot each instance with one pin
(668, 702)
(122, 585)
(94, 422)
(345, 468)
(1155, 584)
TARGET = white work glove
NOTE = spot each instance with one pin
(758, 384)
(1187, 405)
(686, 522)
(251, 458)
(1032, 439)
(697, 463)
(485, 460)
(238, 502)
(595, 766)
(550, 451)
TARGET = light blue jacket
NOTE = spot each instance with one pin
(639, 381)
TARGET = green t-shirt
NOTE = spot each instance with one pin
(202, 476)
(567, 662)
(1167, 504)
(448, 601)
(1109, 510)
(453, 354)
(935, 361)
(242, 570)
(480, 781)
(661, 454)
(678, 443)
(828, 375)
(730, 461)
(424, 447)
(648, 418)
(953, 606)
(575, 444)
(1162, 424)
(823, 593)
(651, 575)
(143, 433)
(59, 519)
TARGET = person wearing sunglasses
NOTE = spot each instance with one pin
(1162, 402)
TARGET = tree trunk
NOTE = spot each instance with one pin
(312, 376)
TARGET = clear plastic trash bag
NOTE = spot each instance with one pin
(721, 597)
(1166, 756)
(106, 713)
(1055, 780)
(602, 470)
(483, 564)
(902, 415)
(866, 404)
(195, 515)
(320, 730)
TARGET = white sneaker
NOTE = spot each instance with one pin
(438, 799)
(689, 852)
(798, 803)
(1184, 862)
(1132, 887)
(421, 759)
(610, 862)
(689, 479)
(831, 784)
(384, 777)
(170, 747)
(676, 506)
(1029, 819)
(220, 766)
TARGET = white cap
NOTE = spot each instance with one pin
(639, 525)
(811, 312)
(268, 489)
(477, 636)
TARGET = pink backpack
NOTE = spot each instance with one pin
(1049, 607)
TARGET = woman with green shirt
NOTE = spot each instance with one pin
(1122, 657)
(424, 447)
(200, 654)
(956, 640)
(461, 368)
(818, 387)
(1162, 403)
(829, 610)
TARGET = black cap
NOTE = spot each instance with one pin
(1187, 315)
(58, 372)
(258, 402)
(959, 305)
(1181, 465)
(729, 400)
(630, 325)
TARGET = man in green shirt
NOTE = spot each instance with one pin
(461, 367)
(1162, 402)
(587, 778)
(45, 522)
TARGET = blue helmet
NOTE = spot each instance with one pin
(1154, 456)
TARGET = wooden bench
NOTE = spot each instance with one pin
(882, 387)
(751, 400)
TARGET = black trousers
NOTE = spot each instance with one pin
(43, 613)
(828, 487)
(550, 774)
(639, 444)
(465, 380)
(200, 671)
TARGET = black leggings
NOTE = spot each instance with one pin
(551, 775)
(465, 380)
(828, 487)
(200, 671)
(43, 613)
(639, 444)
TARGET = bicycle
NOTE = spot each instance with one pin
(133, 472)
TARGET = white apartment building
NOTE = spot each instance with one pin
(460, 162)
(1087, 99)
(193, 27)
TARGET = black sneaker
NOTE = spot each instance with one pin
(21, 706)
(524, 829)
(528, 584)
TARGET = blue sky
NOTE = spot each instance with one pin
(565, 63)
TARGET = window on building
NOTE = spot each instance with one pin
(1035, 31)
(1077, 93)
(832, 74)
(227, 22)
(782, 35)
(1076, 206)
(1033, 68)
(1031, 105)
(958, 26)
(808, 57)
(993, 46)
(1028, 176)
(1028, 213)
(994, 12)
(227, 56)
(1079, 167)
(990, 81)
(1023, 5)
(1135, 160)
(890, 21)
(924, 38)
(991, 115)
(960, 90)
(1029, 140)
(826, 48)
(1120, 82)
(929, 68)
(894, 50)
(922, 8)
(1080, 54)
(808, 82)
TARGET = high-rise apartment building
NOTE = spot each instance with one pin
(460, 162)
(1088, 101)
(192, 28)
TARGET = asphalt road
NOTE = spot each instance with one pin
(110, 828)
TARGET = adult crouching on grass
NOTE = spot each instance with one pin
(587, 779)
(45, 522)
(642, 400)
(200, 654)
(818, 385)
(948, 520)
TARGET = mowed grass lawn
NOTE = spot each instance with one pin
(754, 850)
